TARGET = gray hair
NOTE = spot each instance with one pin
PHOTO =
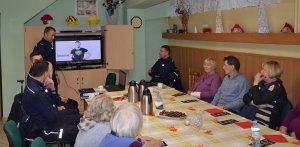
(100, 109)
(127, 120)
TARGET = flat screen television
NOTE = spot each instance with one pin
(78, 50)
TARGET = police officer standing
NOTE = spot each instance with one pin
(164, 70)
(43, 116)
(47, 49)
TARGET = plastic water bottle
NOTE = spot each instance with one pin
(255, 130)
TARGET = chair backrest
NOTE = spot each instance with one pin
(38, 142)
(193, 76)
(15, 108)
(110, 79)
(13, 134)
(287, 107)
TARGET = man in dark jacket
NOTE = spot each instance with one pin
(44, 117)
(163, 70)
(47, 49)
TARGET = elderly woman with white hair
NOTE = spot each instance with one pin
(207, 84)
(94, 124)
(126, 125)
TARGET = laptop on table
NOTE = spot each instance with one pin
(120, 86)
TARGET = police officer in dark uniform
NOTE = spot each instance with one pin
(44, 117)
(164, 70)
(47, 49)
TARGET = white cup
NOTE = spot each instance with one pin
(100, 88)
(160, 85)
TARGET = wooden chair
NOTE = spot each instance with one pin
(193, 76)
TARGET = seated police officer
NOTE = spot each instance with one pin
(43, 116)
(164, 70)
(60, 102)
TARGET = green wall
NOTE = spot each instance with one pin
(154, 41)
(64, 8)
(139, 70)
(147, 39)
(156, 23)
(14, 13)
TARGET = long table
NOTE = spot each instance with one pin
(188, 136)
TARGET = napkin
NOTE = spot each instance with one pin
(276, 138)
(213, 110)
(245, 124)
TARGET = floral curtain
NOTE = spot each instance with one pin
(200, 6)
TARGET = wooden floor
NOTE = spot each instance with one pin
(3, 138)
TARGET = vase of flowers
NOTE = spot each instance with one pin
(112, 11)
(183, 10)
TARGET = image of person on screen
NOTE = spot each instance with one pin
(79, 53)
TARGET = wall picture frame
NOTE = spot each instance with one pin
(84, 8)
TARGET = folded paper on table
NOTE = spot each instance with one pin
(245, 124)
(213, 110)
(276, 138)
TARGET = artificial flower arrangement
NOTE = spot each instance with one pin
(183, 9)
(111, 5)
(71, 20)
(46, 19)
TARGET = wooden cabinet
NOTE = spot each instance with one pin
(73, 80)
(118, 44)
(32, 35)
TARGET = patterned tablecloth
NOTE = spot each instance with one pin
(188, 136)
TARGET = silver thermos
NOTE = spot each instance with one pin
(147, 103)
(141, 89)
(132, 92)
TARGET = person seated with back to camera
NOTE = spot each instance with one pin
(126, 125)
(267, 97)
(207, 84)
(43, 116)
(164, 70)
(94, 124)
(290, 125)
(60, 102)
(230, 94)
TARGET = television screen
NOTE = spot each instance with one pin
(78, 50)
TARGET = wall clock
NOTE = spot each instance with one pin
(136, 22)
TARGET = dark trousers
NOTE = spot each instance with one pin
(71, 104)
(68, 136)
(69, 116)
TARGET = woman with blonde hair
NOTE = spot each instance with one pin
(94, 124)
(267, 95)
(207, 84)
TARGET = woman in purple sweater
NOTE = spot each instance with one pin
(207, 85)
(291, 123)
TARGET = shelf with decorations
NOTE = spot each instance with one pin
(259, 38)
